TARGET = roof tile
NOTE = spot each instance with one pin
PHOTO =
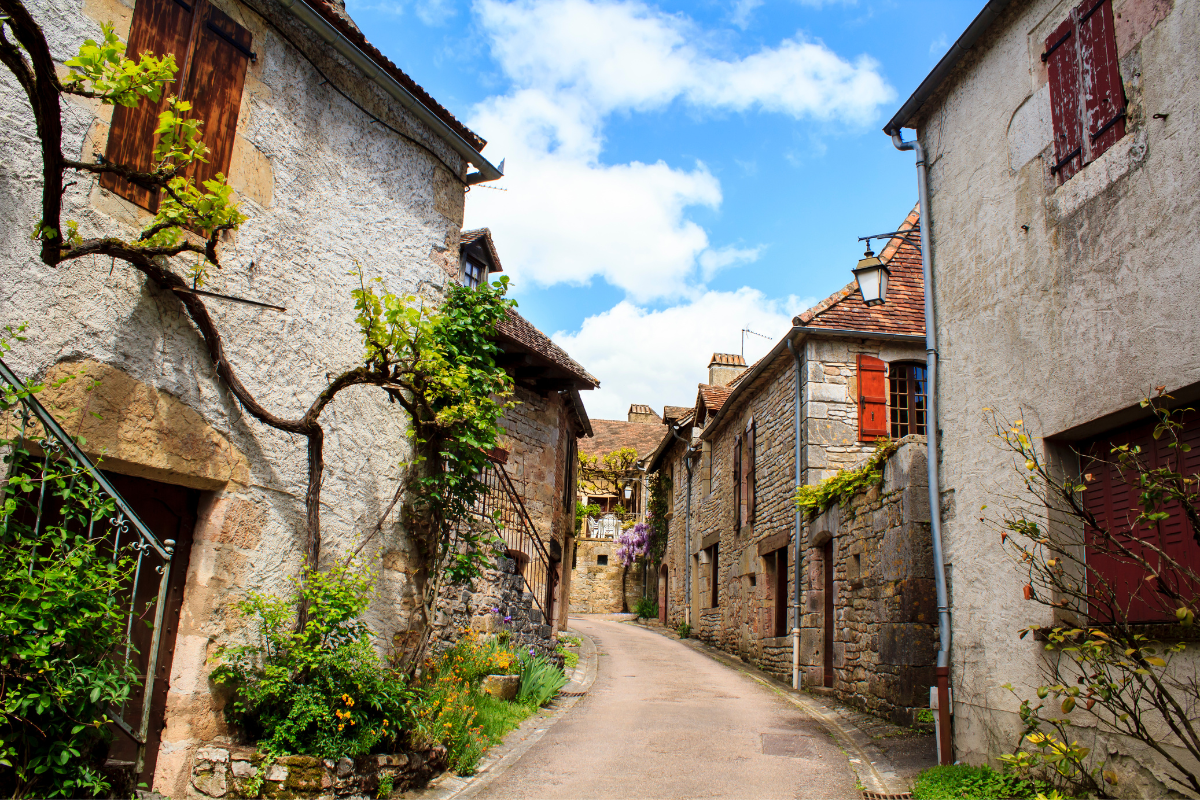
(520, 330)
(611, 434)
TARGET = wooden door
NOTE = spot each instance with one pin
(827, 556)
(663, 577)
(170, 512)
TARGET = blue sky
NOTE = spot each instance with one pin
(675, 171)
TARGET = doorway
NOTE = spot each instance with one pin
(663, 577)
(827, 564)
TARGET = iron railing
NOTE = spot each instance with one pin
(147, 591)
(502, 505)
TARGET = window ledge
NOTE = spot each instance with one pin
(1094, 178)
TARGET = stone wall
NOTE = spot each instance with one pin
(494, 601)
(322, 186)
(220, 772)
(596, 589)
(885, 604)
(1058, 305)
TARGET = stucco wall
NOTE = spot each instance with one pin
(1056, 305)
(322, 187)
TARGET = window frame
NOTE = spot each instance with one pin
(911, 396)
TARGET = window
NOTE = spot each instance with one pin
(737, 483)
(474, 273)
(705, 468)
(1113, 499)
(212, 53)
(1087, 99)
(602, 560)
(872, 400)
(906, 399)
(743, 478)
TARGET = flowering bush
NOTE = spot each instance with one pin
(322, 691)
(633, 544)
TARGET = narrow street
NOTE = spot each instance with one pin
(663, 721)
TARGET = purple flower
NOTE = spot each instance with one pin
(508, 619)
(633, 544)
(531, 651)
(495, 611)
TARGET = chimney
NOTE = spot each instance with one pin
(645, 414)
(724, 367)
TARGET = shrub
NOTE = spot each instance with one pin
(321, 691)
(570, 657)
(684, 630)
(540, 680)
(645, 608)
(63, 598)
(962, 781)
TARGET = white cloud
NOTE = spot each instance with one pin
(568, 217)
(742, 9)
(659, 356)
(436, 12)
(939, 45)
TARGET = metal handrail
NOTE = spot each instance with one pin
(125, 515)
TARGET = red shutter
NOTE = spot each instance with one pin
(737, 483)
(872, 398)
(161, 27)
(751, 470)
(218, 73)
(1103, 93)
(1062, 65)
(1114, 502)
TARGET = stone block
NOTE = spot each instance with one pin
(504, 687)
(907, 644)
(214, 754)
(211, 782)
(344, 767)
(243, 769)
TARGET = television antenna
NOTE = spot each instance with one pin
(744, 332)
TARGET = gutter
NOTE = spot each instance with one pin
(687, 527)
(335, 38)
(932, 452)
(797, 354)
(934, 79)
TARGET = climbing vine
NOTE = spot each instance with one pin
(842, 486)
(659, 504)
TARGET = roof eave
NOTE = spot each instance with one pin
(949, 61)
(322, 27)
(711, 428)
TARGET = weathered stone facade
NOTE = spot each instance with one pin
(884, 626)
(596, 587)
(322, 185)
(1059, 304)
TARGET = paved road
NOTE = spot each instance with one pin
(663, 721)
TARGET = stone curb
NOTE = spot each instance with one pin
(501, 758)
(874, 770)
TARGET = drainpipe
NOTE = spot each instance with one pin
(796, 354)
(931, 433)
(687, 529)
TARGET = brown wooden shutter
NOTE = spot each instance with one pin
(161, 27)
(1062, 65)
(751, 470)
(737, 483)
(872, 398)
(214, 86)
(1103, 93)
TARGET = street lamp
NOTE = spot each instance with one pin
(872, 277)
(628, 490)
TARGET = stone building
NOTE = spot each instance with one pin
(1063, 196)
(337, 157)
(730, 570)
(599, 583)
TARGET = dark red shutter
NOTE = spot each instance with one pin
(161, 27)
(737, 483)
(1103, 93)
(1062, 64)
(751, 470)
(214, 87)
(872, 398)
(1114, 502)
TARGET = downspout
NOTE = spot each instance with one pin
(796, 354)
(687, 529)
(931, 434)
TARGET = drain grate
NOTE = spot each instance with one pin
(886, 796)
(572, 694)
(791, 745)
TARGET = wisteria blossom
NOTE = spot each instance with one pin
(633, 543)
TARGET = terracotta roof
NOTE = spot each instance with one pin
(484, 237)
(727, 360)
(612, 434)
(744, 373)
(904, 311)
(521, 331)
(675, 413)
(714, 396)
(638, 408)
(336, 16)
